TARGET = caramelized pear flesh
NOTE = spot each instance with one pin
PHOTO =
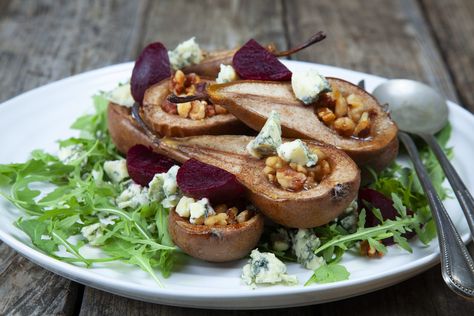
(252, 101)
(167, 124)
(303, 209)
(218, 243)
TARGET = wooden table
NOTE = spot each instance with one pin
(43, 41)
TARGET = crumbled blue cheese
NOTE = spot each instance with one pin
(269, 138)
(185, 54)
(163, 187)
(133, 196)
(183, 206)
(94, 232)
(280, 241)
(348, 220)
(201, 208)
(264, 268)
(116, 170)
(304, 244)
(226, 74)
(297, 152)
(122, 95)
(308, 84)
(70, 154)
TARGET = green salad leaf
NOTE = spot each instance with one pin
(329, 273)
(77, 207)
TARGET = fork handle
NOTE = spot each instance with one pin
(462, 193)
(457, 266)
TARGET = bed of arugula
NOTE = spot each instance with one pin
(140, 236)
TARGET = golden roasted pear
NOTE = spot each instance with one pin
(168, 124)
(215, 243)
(307, 208)
(252, 102)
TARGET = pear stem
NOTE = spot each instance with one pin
(318, 37)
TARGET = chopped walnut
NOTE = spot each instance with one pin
(347, 115)
(187, 85)
(198, 110)
(294, 177)
(290, 179)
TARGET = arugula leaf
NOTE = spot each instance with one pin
(329, 273)
(39, 233)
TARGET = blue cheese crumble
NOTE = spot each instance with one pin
(297, 152)
(226, 74)
(183, 206)
(196, 211)
(269, 138)
(133, 196)
(264, 268)
(185, 54)
(94, 232)
(116, 170)
(308, 84)
(304, 244)
(122, 95)
(70, 154)
(200, 209)
(163, 187)
(348, 220)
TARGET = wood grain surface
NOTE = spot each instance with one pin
(46, 40)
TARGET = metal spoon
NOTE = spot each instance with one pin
(418, 109)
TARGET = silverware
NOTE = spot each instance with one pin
(418, 109)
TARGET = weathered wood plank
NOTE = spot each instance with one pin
(453, 27)
(216, 24)
(28, 289)
(43, 41)
(389, 39)
(103, 304)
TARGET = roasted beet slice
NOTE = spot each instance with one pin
(200, 180)
(253, 62)
(371, 198)
(143, 164)
(152, 66)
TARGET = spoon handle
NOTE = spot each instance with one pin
(457, 266)
(462, 193)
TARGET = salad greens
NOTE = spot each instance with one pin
(79, 207)
(80, 203)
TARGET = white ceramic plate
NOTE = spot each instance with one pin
(38, 118)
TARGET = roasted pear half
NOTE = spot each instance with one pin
(218, 243)
(252, 102)
(307, 208)
(169, 124)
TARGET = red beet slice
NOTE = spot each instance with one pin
(152, 66)
(385, 205)
(253, 62)
(143, 164)
(200, 180)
